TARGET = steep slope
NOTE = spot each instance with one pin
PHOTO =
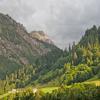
(18, 47)
(91, 37)
(80, 63)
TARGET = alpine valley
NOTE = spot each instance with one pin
(32, 67)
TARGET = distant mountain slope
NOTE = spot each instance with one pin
(18, 47)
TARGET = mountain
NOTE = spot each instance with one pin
(32, 59)
(92, 36)
(18, 47)
(78, 63)
(70, 77)
(40, 35)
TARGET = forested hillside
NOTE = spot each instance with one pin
(23, 56)
(78, 63)
(32, 60)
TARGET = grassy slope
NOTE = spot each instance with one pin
(4, 96)
(48, 89)
(95, 80)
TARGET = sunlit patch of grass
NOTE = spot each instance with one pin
(97, 82)
(48, 89)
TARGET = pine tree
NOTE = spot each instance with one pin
(74, 54)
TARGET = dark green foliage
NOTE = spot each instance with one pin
(4, 61)
(24, 63)
(91, 37)
(18, 49)
(83, 58)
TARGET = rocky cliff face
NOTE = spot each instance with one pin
(18, 47)
(40, 35)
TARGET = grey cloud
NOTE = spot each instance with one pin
(63, 20)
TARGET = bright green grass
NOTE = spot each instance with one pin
(4, 96)
(48, 89)
(96, 82)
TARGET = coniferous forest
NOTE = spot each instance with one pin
(34, 69)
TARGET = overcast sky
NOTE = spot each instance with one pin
(63, 20)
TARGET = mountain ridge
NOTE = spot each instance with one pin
(18, 46)
(31, 59)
